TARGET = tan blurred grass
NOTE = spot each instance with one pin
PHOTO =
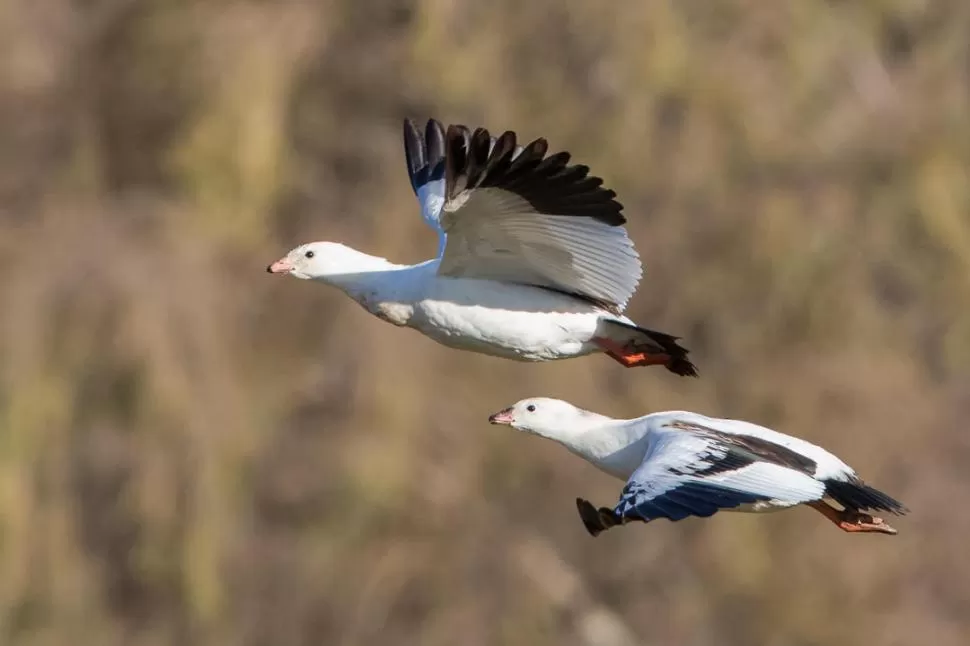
(193, 452)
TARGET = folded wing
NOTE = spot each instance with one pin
(693, 470)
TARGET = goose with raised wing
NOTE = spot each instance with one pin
(678, 464)
(533, 263)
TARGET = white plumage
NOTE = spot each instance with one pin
(533, 261)
(679, 464)
(501, 240)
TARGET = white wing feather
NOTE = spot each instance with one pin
(680, 451)
(495, 234)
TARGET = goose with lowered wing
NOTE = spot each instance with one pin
(679, 464)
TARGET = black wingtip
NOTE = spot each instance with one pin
(472, 159)
(596, 521)
(414, 151)
(434, 145)
(590, 517)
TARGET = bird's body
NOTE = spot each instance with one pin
(548, 326)
(517, 322)
(533, 264)
(619, 448)
(679, 464)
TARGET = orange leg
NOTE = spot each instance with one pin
(852, 521)
(630, 357)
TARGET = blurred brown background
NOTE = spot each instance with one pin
(194, 452)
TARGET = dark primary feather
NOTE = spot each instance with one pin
(736, 451)
(467, 161)
(434, 136)
(596, 520)
(424, 154)
(414, 151)
(476, 160)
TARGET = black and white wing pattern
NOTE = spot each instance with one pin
(425, 155)
(695, 470)
(515, 214)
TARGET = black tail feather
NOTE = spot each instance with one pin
(858, 496)
(655, 343)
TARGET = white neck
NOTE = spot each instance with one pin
(579, 433)
(384, 289)
(612, 445)
(358, 274)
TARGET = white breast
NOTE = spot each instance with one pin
(511, 321)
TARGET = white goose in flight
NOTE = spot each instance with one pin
(533, 264)
(678, 464)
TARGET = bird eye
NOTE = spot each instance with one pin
(308, 254)
(531, 408)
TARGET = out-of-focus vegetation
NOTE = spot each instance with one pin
(193, 452)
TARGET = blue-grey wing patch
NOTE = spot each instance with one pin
(701, 499)
(694, 470)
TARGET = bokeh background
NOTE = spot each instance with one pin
(194, 452)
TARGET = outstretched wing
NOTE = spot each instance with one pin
(694, 470)
(425, 155)
(514, 214)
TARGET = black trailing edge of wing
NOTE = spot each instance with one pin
(473, 159)
(700, 499)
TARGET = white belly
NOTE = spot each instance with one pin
(510, 321)
(765, 506)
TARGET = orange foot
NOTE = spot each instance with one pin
(849, 520)
(631, 357)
